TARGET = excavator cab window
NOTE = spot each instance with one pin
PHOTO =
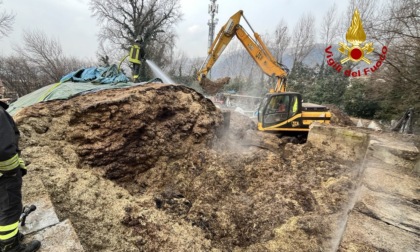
(278, 104)
(294, 105)
(278, 108)
(261, 109)
(274, 109)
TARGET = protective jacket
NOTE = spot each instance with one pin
(9, 135)
(11, 170)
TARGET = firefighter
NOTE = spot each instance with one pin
(12, 169)
(136, 56)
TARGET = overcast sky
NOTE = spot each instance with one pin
(70, 21)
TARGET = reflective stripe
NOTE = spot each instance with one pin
(9, 227)
(135, 54)
(22, 163)
(49, 91)
(295, 105)
(12, 228)
(9, 164)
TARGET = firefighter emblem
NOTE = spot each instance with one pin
(356, 37)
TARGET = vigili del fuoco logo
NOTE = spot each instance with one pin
(355, 50)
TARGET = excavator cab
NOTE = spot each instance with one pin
(278, 111)
(285, 113)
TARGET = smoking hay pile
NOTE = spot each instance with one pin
(154, 168)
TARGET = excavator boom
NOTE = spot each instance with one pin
(263, 57)
(223, 38)
(255, 47)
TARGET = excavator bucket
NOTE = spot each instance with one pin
(212, 87)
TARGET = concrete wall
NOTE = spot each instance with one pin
(341, 142)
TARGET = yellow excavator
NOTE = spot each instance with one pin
(279, 111)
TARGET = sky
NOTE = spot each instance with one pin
(71, 22)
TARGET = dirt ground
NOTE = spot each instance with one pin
(153, 168)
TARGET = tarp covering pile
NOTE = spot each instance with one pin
(73, 84)
(102, 75)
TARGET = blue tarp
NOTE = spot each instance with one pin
(101, 75)
(76, 83)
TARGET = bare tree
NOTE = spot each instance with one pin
(330, 26)
(40, 62)
(102, 54)
(281, 40)
(47, 55)
(329, 31)
(44, 53)
(303, 38)
(240, 62)
(183, 69)
(399, 29)
(18, 75)
(122, 21)
(6, 22)
(22, 76)
(178, 63)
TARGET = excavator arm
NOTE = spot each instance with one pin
(255, 47)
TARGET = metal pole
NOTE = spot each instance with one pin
(213, 10)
